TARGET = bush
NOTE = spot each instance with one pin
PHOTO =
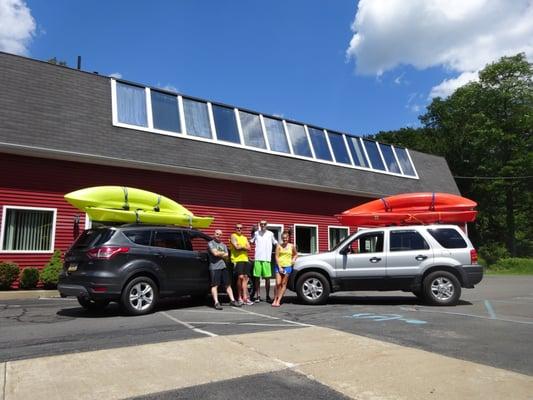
(9, 272)
(29, 278)
(518, 266)
(493, 252)
(50, 272)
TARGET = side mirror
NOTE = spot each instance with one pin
(345, 251)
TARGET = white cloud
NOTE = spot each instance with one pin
(448, 86)
(460, 35)
(17, 26)
(116, 75)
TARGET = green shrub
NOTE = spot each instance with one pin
(9, 272)
(516, 266)
(493, 252)
(50, 272)
(29, 278)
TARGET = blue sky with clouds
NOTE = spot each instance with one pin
(357, 67)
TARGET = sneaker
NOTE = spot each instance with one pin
(235, 304)
(249, 303)
(257, 299)
(218, 306)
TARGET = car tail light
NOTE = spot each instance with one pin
(106, 252)
(473, 256)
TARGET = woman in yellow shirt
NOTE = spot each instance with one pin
(286, 255)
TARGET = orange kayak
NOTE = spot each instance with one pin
(411, 208)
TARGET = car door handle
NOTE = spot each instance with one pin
(375, 260)
(420, 257)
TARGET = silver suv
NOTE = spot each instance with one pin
(431, 261)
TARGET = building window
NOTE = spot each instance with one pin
(196, 118)
(320, 144)
(276, 135)
(165, 112)
(226, 124)
(405, 163)
(306, 238)
(28, 229)
(251, 130)
(299, 141)
(358, 154)
(131, 104)
(339, 148)
(373, 153)
(337, 234)
(390, 160)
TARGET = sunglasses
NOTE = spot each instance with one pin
(262, 224)
(238, 228)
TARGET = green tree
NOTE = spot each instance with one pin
(484, 130)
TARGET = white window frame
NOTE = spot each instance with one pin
(317, 238)
(214, 136)
(281, 226)
(336, 227)
(3, 228)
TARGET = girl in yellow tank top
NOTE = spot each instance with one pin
(286, 255)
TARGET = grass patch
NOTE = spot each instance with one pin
(511, 266)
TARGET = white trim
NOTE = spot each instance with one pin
(52, 235)
(214, 137)
(317, 238)
(181, 111)
(331, 153)
(239, 126)
(286, 130)
(149, 114)
(412, 164)
(336, 227)
(264, 131)
(378, 146)
(397, 160)
(309, 141)
(347, 148)
(114, 105)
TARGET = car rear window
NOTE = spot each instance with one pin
(448, 238)
(93, 237)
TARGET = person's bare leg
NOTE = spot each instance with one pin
(229, 291)
(277, 299)
(267, 288)
(257, 287)
(282, 288)
(239, 288)
(214, 293)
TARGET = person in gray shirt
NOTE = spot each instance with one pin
(217, 270)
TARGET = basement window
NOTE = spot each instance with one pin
(27, 229)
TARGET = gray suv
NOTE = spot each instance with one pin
(432, 261)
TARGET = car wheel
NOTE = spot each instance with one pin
(139, 296)
(441, 288)
(92, 305)
(312, 288)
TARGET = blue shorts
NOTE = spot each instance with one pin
(287, 270)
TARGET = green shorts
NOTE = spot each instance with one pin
(262, 269)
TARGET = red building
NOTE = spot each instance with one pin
(63, 129)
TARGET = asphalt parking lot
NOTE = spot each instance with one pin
(493, 324)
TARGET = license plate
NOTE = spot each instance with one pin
(72, 267)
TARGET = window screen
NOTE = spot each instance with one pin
(28, 229)
(165, 112)
(131, 104)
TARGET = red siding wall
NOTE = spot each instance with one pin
(36, 182)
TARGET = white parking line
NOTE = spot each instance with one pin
(490, 310)
(233, 323)
(467, 315)
(189, 325)
(271, 317)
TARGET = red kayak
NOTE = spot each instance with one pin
(411, 208)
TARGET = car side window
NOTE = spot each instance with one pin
(367, 243)
(139, 237)
(448, 238)
(198, 242)
(169, 240)
(407, 240)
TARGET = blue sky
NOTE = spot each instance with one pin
(300, 59)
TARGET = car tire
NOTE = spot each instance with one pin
(312, 288)
(139, 296)
(420, 294)
(92, 305)
(441, 288)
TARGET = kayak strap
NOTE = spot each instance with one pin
(156, 207)
(432, 205)
(190, 221)
(126, 205)
(137, 218)
(388, 208)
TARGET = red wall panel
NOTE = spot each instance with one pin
(36, 182)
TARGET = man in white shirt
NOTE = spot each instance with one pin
(263, 240)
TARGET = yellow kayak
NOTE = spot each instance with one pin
(129, 205)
